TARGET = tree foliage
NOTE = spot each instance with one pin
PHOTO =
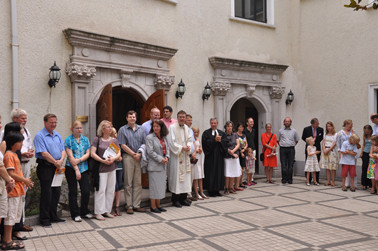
(356, 5)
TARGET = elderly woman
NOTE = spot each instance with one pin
(269, 143)
(158, 156)
(103, 200)
(342, 136)
(232, 168)
(77, 149)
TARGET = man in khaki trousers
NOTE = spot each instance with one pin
(131, 137)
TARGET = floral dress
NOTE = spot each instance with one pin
(370, 170)
(330, 161)
(312, 164)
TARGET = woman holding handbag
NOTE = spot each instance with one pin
(269, 142)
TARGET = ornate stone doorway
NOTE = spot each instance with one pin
(106, 66)
(258, 83)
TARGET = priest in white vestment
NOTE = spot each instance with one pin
(179, 176)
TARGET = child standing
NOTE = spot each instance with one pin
(373, 157)
(349, 152)
(13, 166)
(119, 181)
(365, 151)
(198, 170)
(250, 165)
(312, 164)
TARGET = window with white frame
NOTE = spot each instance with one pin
(253, 11)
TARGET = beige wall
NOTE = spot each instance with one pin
(198, 29)
(336, 62)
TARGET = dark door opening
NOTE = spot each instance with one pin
(240, 112)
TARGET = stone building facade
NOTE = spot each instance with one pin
(128, 50)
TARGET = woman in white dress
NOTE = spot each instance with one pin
(330, 157)
(232, 168)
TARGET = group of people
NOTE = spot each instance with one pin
(171, 152)
(331, 149)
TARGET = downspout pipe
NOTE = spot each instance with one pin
(15, 46)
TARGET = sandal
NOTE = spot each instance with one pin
(352, 189)
(326, 184)
(204, 196)
(12, 245)
(372, 192)
(232, 190)
(271, 182)
(333, 184)
(226, 192)
(118, 212)
(344, 189)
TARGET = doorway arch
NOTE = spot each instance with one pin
(244, 108)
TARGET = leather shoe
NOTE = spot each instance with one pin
(218, 194)
(46, 224)
(20, 238)
(139, 210)
(26, 228)
(155, 210)
(162, 209)
(176, 204)
(290, 182)
(130, 211)
(58, 220)
(185, 203)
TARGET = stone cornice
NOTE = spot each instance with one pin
(108, 43)
(233, 64)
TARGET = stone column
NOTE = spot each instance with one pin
(220, 90)
(81, 75)
(275, 93)
(164, 82)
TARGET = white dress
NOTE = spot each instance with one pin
(198, 170)
(312, 164)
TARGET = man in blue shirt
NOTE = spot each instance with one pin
(154, 114)
(50, 154)
(131, 137)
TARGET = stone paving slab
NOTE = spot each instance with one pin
(263, 217)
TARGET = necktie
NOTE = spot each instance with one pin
(314, 133)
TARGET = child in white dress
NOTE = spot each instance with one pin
(198, 171)
(312, 164)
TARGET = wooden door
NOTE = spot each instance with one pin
(157, 99)
(104, 107)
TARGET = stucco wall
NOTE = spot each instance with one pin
(198, 29)
(336, 62)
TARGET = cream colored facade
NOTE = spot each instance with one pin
(320, 50)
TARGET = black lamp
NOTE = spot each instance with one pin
(207, 92)
(290, 98)
(54, 75)
(180, 90)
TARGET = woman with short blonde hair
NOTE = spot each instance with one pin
(104, 195)
(77, 148)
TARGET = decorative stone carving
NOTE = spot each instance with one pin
(276, 92)
(220, 88)
(164, 82)
(125, 78)
(250, 89)
(78, 71)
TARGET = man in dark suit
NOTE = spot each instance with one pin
(317, 133)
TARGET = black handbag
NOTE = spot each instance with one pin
(93, 169)
(262, 157)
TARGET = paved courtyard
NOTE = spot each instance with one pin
(263, 217)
